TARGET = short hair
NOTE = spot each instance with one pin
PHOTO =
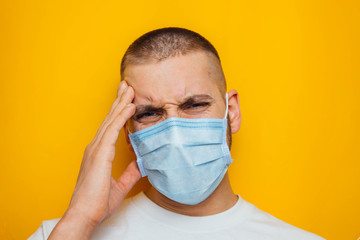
(163, 43)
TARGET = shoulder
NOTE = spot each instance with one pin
(44, 230)
(261, 221)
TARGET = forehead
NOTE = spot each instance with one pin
(173, 79)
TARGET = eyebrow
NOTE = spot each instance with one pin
(186, 102)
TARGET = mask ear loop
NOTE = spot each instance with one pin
(225, 147)
(227, 105)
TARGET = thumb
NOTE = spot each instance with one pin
(129, 177)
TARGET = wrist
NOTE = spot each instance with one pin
(73, 225)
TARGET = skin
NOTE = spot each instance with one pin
(163, 85)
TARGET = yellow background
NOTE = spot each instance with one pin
(294, 63)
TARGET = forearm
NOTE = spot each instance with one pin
(72, 226)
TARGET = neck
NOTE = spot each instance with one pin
(219, 201)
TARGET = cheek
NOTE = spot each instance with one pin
(137, 127)
(140, 126)
(217, 112)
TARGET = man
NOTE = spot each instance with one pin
(178, 119)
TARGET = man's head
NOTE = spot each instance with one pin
(176, 72)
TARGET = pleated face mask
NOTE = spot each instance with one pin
(184, 159)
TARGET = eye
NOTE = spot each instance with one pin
(199, 105)
(146, 115)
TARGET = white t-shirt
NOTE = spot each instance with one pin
(140, 218)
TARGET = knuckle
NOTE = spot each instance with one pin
(120, 118)
(115, 103)
(88, 147)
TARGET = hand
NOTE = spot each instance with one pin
(97, 194)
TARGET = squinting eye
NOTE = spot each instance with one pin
(146, 115)
(198, 105)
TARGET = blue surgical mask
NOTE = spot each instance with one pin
(184, 159)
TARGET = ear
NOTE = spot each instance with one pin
(234, 110)
(126, 132)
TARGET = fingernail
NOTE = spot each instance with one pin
(122, 83)
(125, 89)
(128, 105)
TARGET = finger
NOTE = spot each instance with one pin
(128, 179)
(111, 133)
(123, 85)
(125, 98)
(121, 89)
